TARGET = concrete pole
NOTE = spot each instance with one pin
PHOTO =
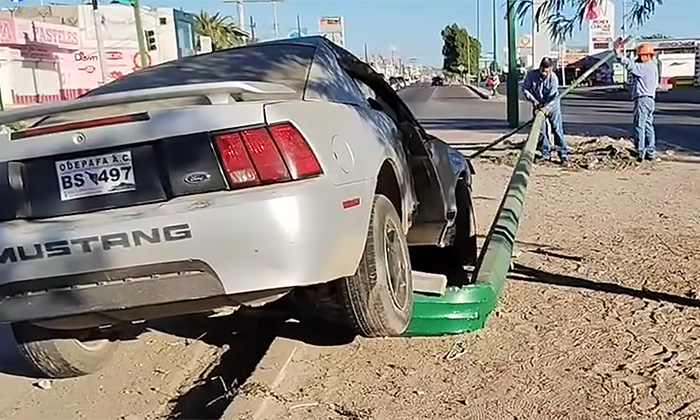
(495, 39)
(624, 26)
(140, 34)
(562, 59)
(274, 17)
(469, 55)
(241, 15)
(97, 19)
(512, 87)
(478, 20)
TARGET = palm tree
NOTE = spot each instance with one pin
(221, 29)
(562, 17)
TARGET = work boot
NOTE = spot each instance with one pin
(565, 161)
(543, 159)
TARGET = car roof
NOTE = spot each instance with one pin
(277, 61)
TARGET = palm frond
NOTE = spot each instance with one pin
(562, 17)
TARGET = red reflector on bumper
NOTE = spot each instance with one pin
(353, 202)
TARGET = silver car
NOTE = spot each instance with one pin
(218, 181)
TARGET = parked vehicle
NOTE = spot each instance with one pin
(217, 181)
(437, 81)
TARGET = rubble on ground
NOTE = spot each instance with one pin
(588, 153)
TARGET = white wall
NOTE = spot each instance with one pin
(118, 29)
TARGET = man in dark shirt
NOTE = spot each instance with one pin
(541, 88)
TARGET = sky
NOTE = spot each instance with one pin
(411, 27)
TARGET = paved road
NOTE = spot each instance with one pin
(594, 112)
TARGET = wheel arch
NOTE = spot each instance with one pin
(388, 185)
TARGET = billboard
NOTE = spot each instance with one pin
(601, 29)
(332, 28)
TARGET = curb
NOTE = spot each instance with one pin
(478, 92)
(267, 376)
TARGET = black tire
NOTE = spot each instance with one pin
(58, 354)
(378, 300)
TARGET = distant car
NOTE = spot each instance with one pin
(216, 181)
(438, 81)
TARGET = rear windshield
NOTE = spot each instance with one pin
(286, 64)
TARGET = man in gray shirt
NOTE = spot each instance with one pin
(541, 88)
(644, 75)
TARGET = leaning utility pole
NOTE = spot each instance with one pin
(512, 84)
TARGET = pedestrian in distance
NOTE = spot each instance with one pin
(495, 84)
(541, 88)
(644, 80)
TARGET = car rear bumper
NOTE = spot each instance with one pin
(194, 249)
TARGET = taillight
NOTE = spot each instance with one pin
(266, 155)
(297, 154)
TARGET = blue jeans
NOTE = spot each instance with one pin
(644, 135)
(555, 120)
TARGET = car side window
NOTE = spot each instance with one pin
(371, 96)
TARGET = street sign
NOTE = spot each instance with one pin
(461, 68)
(332, 27)
(601, 29)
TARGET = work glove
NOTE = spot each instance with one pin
(546, 111)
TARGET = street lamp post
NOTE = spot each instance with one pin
(241, 17)
(469, 56)
(478, 20)
(512, 85)
(495, 39)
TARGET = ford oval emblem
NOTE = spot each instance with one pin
(196, 178)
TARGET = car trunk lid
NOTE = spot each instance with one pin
(118, 150)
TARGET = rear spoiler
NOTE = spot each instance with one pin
(211, 90)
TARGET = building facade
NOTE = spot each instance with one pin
(49, 53)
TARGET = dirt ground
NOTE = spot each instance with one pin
(604, 327)
(598, 321)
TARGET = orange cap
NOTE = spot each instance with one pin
(645, 49)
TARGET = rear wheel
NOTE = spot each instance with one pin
(378, 299)
(63, 354)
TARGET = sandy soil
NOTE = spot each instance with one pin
(613, 335)
(139, 384)
(598, 321)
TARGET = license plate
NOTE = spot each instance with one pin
(95, 175)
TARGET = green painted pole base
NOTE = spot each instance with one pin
(459, 310)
